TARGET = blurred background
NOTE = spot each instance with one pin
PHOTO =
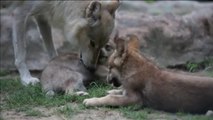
(172, 33)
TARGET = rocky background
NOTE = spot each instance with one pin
(171, 32)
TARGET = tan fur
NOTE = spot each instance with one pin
(145, 83)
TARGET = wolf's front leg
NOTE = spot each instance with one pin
(19, 44)
(112, 100)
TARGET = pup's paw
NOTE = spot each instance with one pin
(81, 93)
(91, 102)
(115, 92)
(209, 113)
(50, 93)
(30, 80)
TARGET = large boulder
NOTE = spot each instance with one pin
(180, 32)
(37, 57)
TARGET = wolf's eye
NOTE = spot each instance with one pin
(92, 43)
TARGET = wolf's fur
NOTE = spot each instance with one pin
(66, 73)
(87, 24)
(145, 83)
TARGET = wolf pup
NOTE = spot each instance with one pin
(68, 74)
(65, 73)
(145, 83)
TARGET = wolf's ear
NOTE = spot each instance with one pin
(133, 41)
(112, 6)
(93, 13)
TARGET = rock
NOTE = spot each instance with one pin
(37, 57)
(169, 37)
(172, 32)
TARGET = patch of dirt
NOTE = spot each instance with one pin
(50, 114)
(14, 115)
(99, 114)
(159, 115)
(46, 114)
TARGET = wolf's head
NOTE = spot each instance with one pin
(93, 30)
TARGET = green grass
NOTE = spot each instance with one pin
(132, 112)
(4, 72)
(25, 99)
(193, 66)
(206, 65)
(97, 89)
(68, 110)
(18, 96)
(21, 96)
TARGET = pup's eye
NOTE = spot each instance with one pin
(108, 48)
(92, 43)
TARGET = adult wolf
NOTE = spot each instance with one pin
(86, 24)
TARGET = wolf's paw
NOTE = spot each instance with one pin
(29, 80)
(91, 102)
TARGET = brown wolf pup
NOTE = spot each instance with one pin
(145, 83)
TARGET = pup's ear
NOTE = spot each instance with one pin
(93, 13)
(133, 41)
(116, 35)
(112, 6)
(120, 44)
